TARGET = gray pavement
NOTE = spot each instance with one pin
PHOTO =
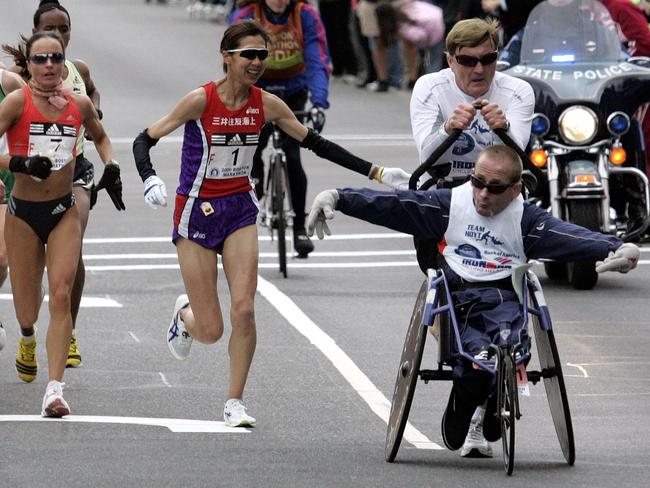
(329, 336)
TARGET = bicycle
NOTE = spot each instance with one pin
(277, 208)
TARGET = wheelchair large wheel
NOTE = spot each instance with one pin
(507, 408)
(558, 401)
(407, 376)
(278, 210)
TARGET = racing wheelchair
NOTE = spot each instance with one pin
(435, 307)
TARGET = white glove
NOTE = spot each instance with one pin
(155, 192)
(322, 209)
(622, 260)
(396, 178)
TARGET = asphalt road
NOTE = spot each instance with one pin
(329, 336)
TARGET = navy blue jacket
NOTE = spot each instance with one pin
(425, 215)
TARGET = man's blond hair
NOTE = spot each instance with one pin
(471, 33)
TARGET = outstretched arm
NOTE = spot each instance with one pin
(423, 214)
(547, 237)
(275, 110)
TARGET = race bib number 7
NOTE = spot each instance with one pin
(53, 140)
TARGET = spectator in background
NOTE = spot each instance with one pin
(512, 14)
(336, 15)
(364, 52)
(416, 24)
(379, 52)
(645, 7)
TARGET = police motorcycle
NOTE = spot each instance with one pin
(584, 134)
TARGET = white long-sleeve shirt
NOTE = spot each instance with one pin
(436, 95)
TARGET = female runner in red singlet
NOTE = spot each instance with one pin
(216, 207)
(42, 122)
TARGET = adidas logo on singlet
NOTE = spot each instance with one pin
(53, 131)
(235, 141)
(58, 209)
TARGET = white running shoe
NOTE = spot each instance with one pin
(178, 339)
(476, 446)
(234, 414)
(3, 337)
(53, 403)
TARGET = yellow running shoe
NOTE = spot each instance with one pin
(26, 365)
(74, 356)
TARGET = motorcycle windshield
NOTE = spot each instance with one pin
(570, 31)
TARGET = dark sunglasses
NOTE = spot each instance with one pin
(41, 58)
(471, 61)
(494, 188)
(251, 53)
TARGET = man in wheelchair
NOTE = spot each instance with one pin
(484, 230)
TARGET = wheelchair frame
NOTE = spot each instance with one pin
(434, 300)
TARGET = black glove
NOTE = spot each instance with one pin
(93, 196)
(317, 119)
(38, 166)
(112, 182)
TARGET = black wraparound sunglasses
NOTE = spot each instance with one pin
(494, 188)
(251, 53)
(471, 61)
(41, 58)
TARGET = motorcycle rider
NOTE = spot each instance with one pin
(631, 39)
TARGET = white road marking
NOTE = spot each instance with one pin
(375, 139)
(332, 254)
(579, 367)
(375, 399)
(135, 338)
(380, 264)
(339, 237)
(164, 380)
(89, 302)
(175, 425)
(146, 267)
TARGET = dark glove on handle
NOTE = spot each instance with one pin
(318, 119)
(38, 166)
(112, 182)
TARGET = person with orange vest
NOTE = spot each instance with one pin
(299, 62)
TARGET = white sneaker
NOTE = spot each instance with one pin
(178, 339)
(53, 403)
(234, 414)
(476, 446)
(3, 337)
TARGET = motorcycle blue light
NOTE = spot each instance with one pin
(618, 123)
(540, 125)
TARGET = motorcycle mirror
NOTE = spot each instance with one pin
(643, 61)
(502, 65)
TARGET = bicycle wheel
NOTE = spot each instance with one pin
(507, 407)
(556, 394)
(278, 210)
(407, 376)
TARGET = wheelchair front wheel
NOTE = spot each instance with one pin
(507, 408)
(407, 376)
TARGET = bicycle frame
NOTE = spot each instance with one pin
(277, 210)
(278, 207)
